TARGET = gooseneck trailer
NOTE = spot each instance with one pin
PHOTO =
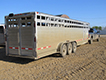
(35, 35)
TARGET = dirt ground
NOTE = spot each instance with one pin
(88, 63)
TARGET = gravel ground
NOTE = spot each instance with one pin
(88, 63)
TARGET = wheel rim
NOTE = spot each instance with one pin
(69, 48)
(64, 50)
(74, 47)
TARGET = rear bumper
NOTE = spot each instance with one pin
(22, 56)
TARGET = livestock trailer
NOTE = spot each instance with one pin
(35, 35)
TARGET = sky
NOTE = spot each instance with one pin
(92, 11)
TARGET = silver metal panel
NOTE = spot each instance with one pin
(27, 40)
(57, 32)
(13, 39)
(52, 36)
(20, 37)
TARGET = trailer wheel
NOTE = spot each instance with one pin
(74, 47)
(63, 50)
(98, 39)
(90, 41)
(69, 48)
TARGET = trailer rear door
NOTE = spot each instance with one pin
(20, 35)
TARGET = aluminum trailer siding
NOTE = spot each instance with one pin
(35, 35)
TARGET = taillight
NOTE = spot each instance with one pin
(37, 13)
(34, 39)
(5, 26)
(34, 24)
(17, 14)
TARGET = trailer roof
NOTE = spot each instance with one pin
(63, 16)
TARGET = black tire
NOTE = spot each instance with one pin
(63, 50)
(90, 41)
(69, 48)
(74, 47)
(98, 39)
